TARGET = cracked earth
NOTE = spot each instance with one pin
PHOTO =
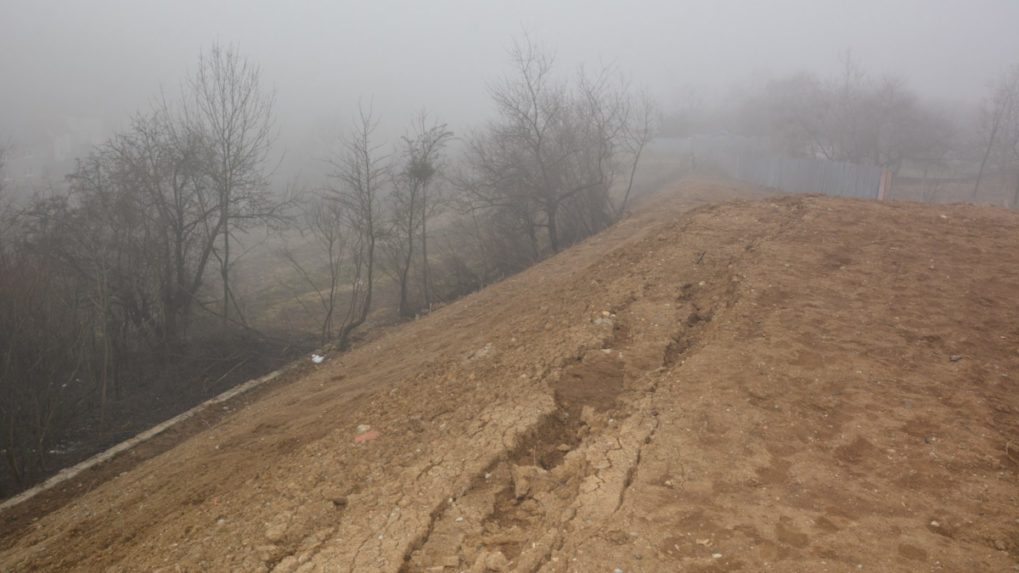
(786, 384)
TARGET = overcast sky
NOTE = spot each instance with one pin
(107, 58)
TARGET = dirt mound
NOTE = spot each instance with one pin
(789, 384)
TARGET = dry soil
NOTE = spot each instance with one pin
(778, 384)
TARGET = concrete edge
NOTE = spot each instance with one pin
(102, 457)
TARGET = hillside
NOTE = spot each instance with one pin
(783, 384)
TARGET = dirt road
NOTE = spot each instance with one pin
(787, 384)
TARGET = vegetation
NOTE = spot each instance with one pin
(115, 293)
(120, 299)
(861, 119)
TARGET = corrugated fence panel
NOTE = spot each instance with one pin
(745, 159)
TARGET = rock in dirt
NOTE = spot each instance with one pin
(277, 528)
(337, 496)
(523, 479)
(496, 561)
(266, 552)
(490, 561)
(286, 565)
(483, 352)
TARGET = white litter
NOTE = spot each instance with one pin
(317, 358)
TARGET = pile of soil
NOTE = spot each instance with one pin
(787, 384)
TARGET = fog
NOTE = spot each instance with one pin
(167, 229)
(95, 62)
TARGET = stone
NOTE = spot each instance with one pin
(521, 481)
(286, 565)
(266, 552)
(277, 527)
(496, 561)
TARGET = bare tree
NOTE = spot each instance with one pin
(551, 158)
(850, 118)
(324, 219)
(360, 172)
(165, 173)
(999, 111)
(42, 354)
(398, 248)
(98, 284)
(414, 202)
(640, 130)
(228, 107)
(532, 104)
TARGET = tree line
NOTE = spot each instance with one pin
(129, 274)
(856, 117)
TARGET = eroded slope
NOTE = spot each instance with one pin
(795, 384)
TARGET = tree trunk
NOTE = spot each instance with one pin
(987, 153)
(552, 213)
(532, 235)
(327, 322)
(371, 271)
(361, 314)
(405, 270)
(11, 454)
(224, 270)
(426, 279)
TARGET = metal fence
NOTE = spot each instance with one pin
(747, 160)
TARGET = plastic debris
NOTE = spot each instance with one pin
(317, 358)
(366, 436)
